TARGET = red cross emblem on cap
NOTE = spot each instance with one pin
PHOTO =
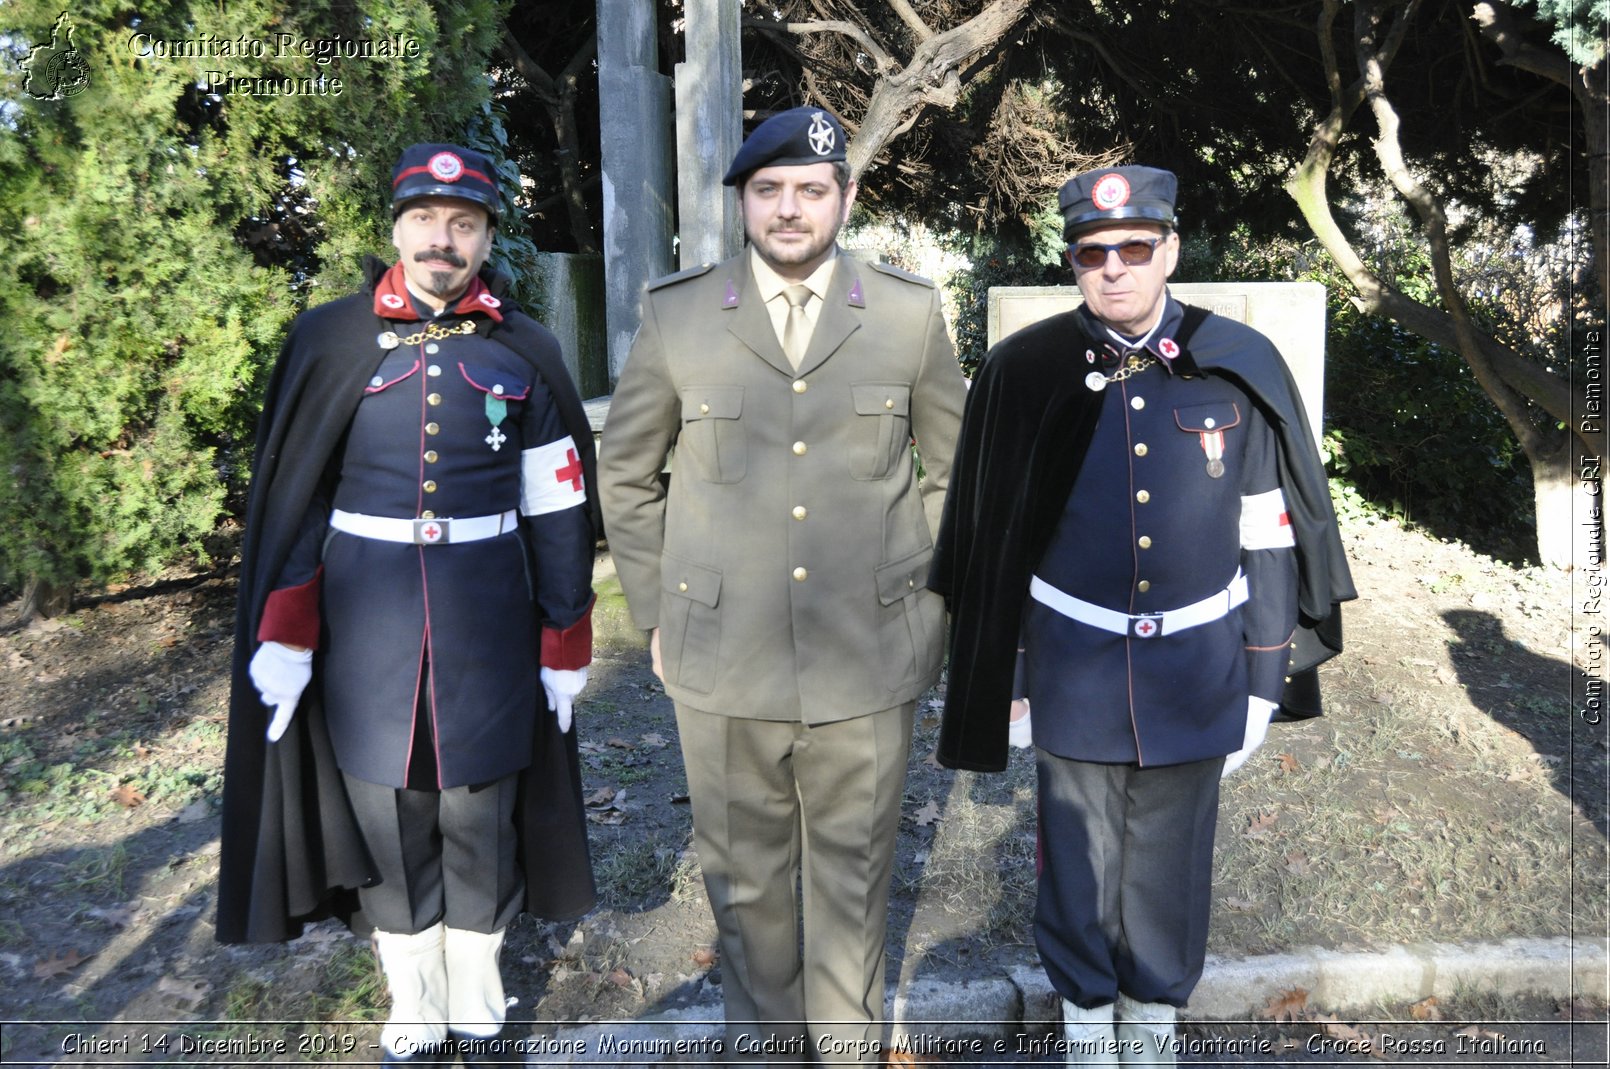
(1112, 191)
(446, 167)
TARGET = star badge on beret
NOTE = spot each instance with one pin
(821, 135)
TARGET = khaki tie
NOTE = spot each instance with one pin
(796, 329)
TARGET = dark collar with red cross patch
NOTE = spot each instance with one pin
(392, 299)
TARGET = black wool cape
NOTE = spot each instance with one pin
(291, 851)
(1024, 436)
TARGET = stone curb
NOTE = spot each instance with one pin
(1231, 989)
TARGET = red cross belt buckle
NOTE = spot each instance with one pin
(1146, 625)
(430, 532)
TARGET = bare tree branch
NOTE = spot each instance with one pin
(911, 19)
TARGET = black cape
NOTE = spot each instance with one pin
(1025, 433)
(291, 851)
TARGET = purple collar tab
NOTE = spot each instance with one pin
(857, 298)
(730, 298)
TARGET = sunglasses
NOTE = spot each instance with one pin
(1136, 252)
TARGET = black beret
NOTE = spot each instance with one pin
(444, 171)
(1116, 195)
(789, 139)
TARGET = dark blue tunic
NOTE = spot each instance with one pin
(1147, 528)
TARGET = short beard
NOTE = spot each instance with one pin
(441, 282)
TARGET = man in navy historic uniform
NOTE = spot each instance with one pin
(782, 578)
(414, 623)
(1138, 523)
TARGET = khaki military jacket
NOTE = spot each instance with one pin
(786, 563)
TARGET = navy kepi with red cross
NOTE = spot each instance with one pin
(444, 171)
(1112, 196)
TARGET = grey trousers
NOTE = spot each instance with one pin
(1126, 878)
(445, 855)
(779, 805)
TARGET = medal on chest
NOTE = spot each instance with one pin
(497, 409)
(1213, 446)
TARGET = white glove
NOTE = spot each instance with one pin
(562, 686)
(280, 675)
(1259, 713)
(1018, 732)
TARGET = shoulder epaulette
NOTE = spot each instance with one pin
(680, 276)
(907, 276)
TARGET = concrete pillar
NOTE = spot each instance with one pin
(635, 102)
(572, 289)
(709, 129)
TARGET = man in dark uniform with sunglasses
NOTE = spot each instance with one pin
(1137, 500)
(416, 579)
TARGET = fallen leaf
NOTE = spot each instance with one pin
(1288, 764)
(590, 747)
(60, 965)
(1240, 905)
(191, 992)
(128, 795)
(927, 815)
(1259, 825)
(1426, 1010)
(1474, 1032)
(1297, 863)
(620, 978)
(620, 744)
(705, 957)
(603, 796)
(1356, 1039)
(142, 750)
(655, 739)
(1286, 1006)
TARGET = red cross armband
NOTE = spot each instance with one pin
(572, 647)
(1265, 523)
(291, 614)
(550, 478)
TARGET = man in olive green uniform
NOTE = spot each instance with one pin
(782, 576)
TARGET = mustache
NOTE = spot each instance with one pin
(445, 255)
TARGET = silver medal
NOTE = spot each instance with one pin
(387, 340)
(1096, 381)
(1215, 468)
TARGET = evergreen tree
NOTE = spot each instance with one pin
(176, 183)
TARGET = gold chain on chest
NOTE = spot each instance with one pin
(432, 332)
(1136, 363)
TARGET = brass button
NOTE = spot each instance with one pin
(800, 386)
(1144, 585)
(1145, 542)
(427, 515)
(434, 399)
(911, 584)
(683, 587)
(704, 410)
(800, 574)
(434, 370)
(799, 449)
(888, 402)
(1142, 496)
(430, 456)
(1140, 449)
(1288, 679)
(432, 428)
(1137, 403)
(429, 486)
(799, 512)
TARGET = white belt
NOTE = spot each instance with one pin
(424, 532)
(1145, 624)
